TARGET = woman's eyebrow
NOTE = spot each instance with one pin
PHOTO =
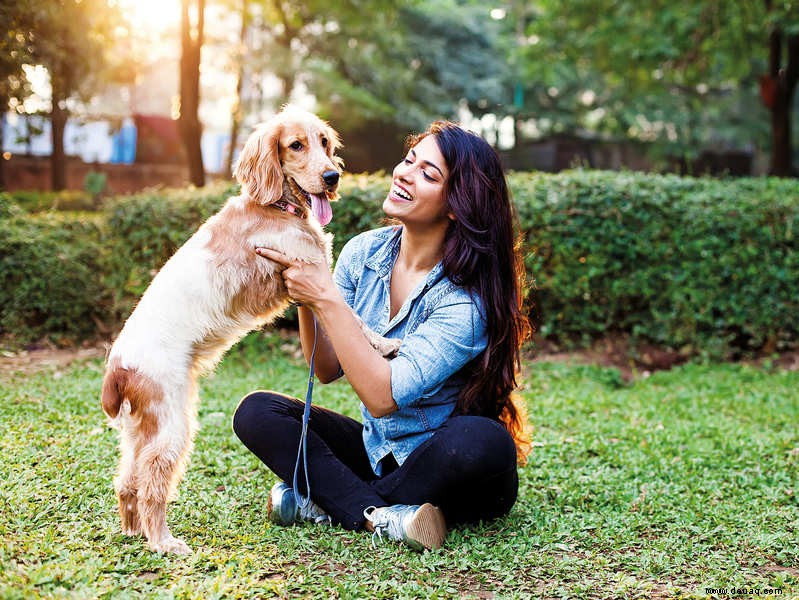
(427, 162)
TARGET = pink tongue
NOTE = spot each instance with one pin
(320, 206)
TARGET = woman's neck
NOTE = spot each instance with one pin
(421, 250)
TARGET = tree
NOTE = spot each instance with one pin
(679, 73)
(71, 39)
(237, 111)
(379, 73)
(777, 86)
(15, 51)
(189, 120)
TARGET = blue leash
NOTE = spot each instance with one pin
(303, 502)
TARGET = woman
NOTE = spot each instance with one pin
(441, 434)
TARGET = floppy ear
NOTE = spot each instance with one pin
(334, 143)
(258, 169)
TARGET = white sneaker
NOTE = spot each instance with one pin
(283, 510)
(421, 527)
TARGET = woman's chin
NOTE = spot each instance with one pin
(393, 208)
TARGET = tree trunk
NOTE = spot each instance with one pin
(58, 123)
(777, 89)
(189, 121)
(235, 122)
(4, 105)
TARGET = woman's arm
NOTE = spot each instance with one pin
(367, 371)
(326, 364)
(342, 341)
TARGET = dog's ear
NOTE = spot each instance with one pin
(334, 143)
(258, 169)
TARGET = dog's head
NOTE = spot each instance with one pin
(298, 147)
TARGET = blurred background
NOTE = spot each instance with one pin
(144, 92)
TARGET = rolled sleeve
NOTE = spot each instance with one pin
(447, 340)
(342, 275)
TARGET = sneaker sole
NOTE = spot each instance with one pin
(428, 528)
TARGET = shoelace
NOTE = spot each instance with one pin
(393, 527)
(314, 513)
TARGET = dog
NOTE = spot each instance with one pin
(211, 292)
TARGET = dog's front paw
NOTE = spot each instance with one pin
(388, 347)
(170, 545)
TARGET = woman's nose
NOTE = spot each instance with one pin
(401, 171)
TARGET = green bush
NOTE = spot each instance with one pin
(143, 230)
(699, 265)
(64, 200)
(50, 277)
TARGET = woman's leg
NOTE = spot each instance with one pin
(467, 468)
(269, 424)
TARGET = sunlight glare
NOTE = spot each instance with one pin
(154, 16)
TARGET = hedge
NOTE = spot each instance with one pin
(694, 264)
(51, 277)
(698, 265)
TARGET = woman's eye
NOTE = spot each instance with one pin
(296, 146)
(407, 161)
(427, 177)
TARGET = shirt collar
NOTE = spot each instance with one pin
(382, 261)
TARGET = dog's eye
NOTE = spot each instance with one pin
(324, 142)
(296, 146)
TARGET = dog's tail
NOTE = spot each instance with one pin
(115, 383)
(121, 384)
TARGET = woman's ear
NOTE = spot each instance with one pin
(258, 169)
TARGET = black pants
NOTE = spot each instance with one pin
(467, 468)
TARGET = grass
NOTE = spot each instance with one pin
(664, 487)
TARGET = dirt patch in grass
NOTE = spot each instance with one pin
(36, 359)
(641, 360)
(611, 352)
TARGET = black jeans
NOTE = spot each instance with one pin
(467, 468)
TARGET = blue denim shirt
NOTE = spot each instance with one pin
(441, 326)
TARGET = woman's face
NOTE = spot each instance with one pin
(417, 189)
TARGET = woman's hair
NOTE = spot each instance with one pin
(482, 254)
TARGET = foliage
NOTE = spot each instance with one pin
(145, 229)
(694, 264)
(71, 39)
(683, 75)
(50, 277)
(15, 49)
(654, 489)
(416, 66)
(701, 266)
(404, 63)
(34, 201)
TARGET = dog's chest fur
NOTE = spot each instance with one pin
(216, 289)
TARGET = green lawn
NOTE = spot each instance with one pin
(678, 482)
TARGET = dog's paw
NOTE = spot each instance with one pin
(388, 347)
(170, 545)
(131, 531)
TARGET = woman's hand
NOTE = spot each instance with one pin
(306, 283)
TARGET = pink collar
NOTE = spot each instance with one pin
(289, 208)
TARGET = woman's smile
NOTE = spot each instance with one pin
(416, 195)
(400, 194)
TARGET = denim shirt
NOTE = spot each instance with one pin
(441, 326)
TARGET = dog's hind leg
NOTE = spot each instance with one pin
(160, 465)
(125, 485)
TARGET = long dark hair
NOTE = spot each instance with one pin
(482, 254)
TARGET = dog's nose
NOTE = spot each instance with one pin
(330, 177)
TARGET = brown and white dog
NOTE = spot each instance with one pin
(213, 291)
